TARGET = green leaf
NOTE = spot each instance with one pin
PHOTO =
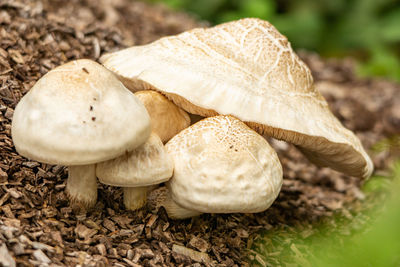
(263, 9)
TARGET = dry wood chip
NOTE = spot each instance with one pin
(16, 56)
(131, 263)
(151, 221)
(199, 244)
(4, 198)
(28, 215)
(8, 231)
(9, 113)
(35, 235)
(102, 249)
(18, 249)
(3, 176)
(109, 225)
(113, 252)
(31, 164)
(91, 224)
(146, 253)
(14, 193)
(8, 212)
(41, 257)
(194, 255)
(5, 257)
(24, 239)
(130, 254)
(126, 232)
(56, 236)
(41, 246)
(122, 221)
(83, 232)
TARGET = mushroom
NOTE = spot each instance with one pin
(247, 69)
(221, 166)
(167, 119)
(137, 170)
(161, 197)
(149, 164)
(77, 115)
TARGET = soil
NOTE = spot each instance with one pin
(38, 227)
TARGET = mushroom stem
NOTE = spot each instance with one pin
(135, 197)
(82, 185)
(175, 211)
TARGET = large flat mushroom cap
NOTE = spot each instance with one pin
(222, 166)
(148, 164)
(247, 69)
(77, 114)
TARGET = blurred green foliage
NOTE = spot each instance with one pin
(368, 30)
(367, 238)
(377, 242)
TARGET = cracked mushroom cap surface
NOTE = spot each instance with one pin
(223, 166)
(79, 113)
(148, 164)
(247, 69)
(167, 119)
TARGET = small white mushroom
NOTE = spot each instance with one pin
(167, 119)
(221, 166)
(77, 115)
(137, 171)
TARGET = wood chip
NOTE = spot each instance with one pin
(194, 255)
(83, 232)
(199, 244)
(41, 257)
(5, 257)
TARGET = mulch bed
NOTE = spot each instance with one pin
(39, 228)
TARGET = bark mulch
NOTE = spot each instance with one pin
(39, 228)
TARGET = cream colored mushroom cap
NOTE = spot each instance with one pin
(247, 69)
(79, 113)
(222, 166)
(167, 119)
(146, 165)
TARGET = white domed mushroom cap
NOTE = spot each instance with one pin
(146, 165)
(247, 69)
(79, 113)
(222, 166)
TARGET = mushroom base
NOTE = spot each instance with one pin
(82, 185)
(135, 197)
(175, 211)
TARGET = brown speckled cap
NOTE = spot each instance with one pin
(223, 166)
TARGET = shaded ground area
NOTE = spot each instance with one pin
(37, 225)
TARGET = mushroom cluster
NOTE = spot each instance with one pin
(243, 76)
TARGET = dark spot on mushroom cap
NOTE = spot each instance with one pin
(94, 98)
(231, 147)
(85, 70)
(91, 108)
(93, 118)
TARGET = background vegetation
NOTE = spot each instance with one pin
(368, 30)
(370, 238)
